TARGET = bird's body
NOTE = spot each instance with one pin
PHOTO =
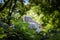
(32, 24)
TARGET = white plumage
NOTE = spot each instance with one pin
(32, 24)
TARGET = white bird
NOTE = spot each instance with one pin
(32, 24)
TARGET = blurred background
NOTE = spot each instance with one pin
(45, 13)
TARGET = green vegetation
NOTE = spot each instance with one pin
(42, 11)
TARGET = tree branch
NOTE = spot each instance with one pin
(6, 3)
(10, 12)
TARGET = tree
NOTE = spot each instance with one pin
(50, 10)
(12, 6)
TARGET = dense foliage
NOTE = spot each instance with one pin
(42, 11)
